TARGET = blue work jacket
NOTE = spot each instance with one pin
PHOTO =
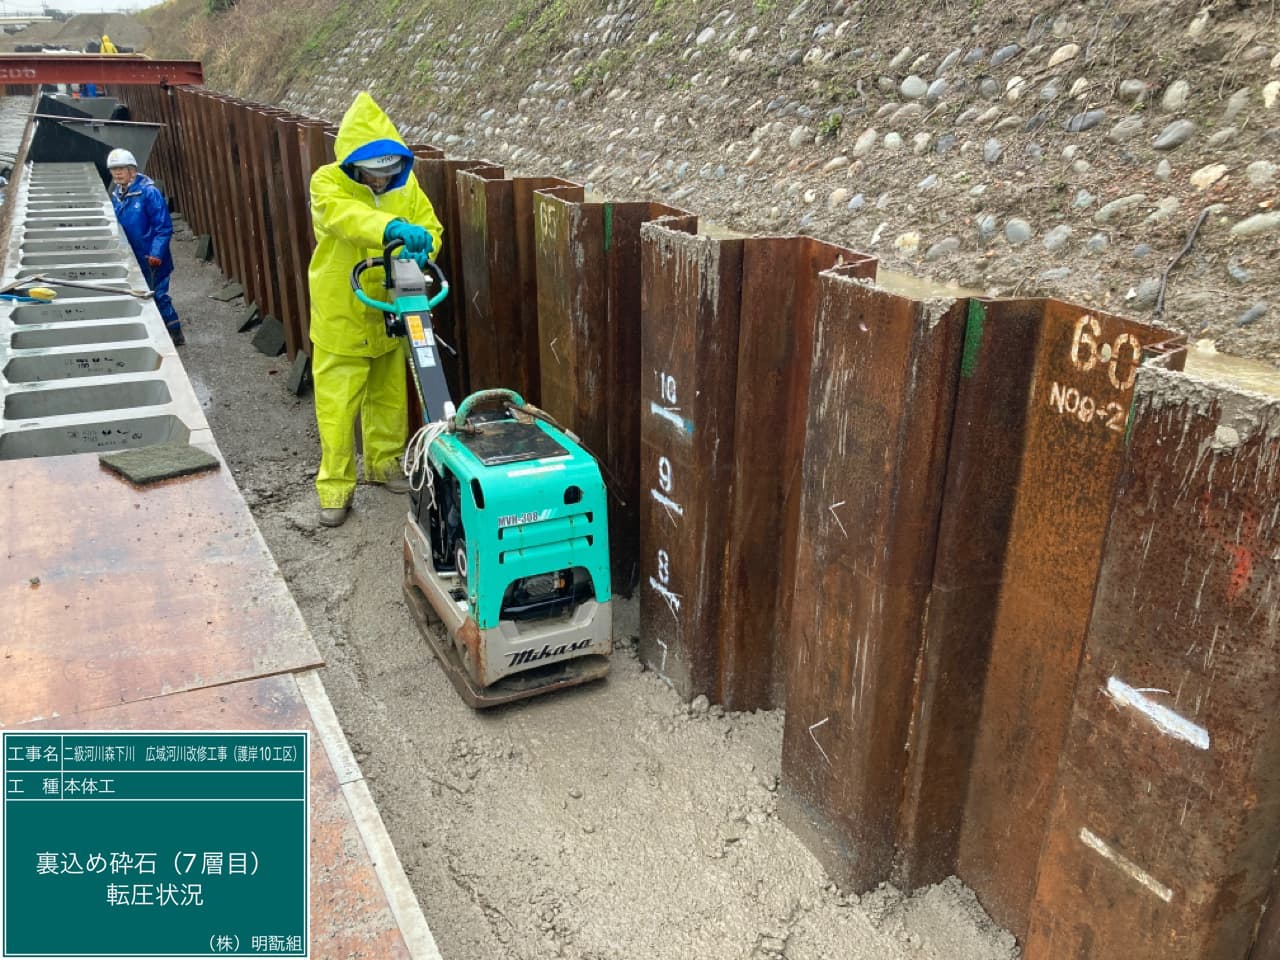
(144, 217)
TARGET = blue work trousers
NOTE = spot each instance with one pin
(160, 286)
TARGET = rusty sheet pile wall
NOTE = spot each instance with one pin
(893, 516)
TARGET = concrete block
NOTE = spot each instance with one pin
(270, 337)
(250, 318)
(229, 292)
(204, 247)
(300, 374)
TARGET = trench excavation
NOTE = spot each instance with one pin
(97, 634)
(1010, 572)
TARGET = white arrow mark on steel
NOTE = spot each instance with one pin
(813, 727)
(832, 508)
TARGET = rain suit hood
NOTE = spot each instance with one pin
(366, 132)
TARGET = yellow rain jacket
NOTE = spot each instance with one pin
(107, 45)
(349, 221)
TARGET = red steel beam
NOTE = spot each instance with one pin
(85, 68)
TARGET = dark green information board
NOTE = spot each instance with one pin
(126, 844)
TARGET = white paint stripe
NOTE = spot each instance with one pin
(668, 502)
(1135, 872)
(668, 415)
(1165, 720)
(332, 738)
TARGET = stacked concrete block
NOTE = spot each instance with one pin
(94, 369)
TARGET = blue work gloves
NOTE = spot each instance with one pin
(421, 258)
(415, 238)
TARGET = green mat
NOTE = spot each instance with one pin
(160, 462)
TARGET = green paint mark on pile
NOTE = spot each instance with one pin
(972, 339)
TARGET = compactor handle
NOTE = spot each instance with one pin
(385, 262)
(484, 398)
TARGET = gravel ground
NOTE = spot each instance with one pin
(606, 822)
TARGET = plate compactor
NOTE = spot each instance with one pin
(507, 539)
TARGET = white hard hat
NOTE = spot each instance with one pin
(120, 157)
(382, 166)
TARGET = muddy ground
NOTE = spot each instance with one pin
(606, 823)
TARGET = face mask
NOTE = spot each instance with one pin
(375, 183)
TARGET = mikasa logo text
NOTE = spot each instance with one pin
(533, 655)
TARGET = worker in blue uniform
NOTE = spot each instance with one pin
(144, 217)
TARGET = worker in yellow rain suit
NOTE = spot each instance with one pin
(107, 45)
(369, 197)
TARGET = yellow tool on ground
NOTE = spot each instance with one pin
(29, 295)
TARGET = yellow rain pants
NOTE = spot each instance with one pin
(374, 388)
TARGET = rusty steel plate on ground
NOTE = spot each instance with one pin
(114, 593)
(689, 311)
(1080, 390)
(1164, 834)
(780, 292)
(987, 438)
(349, 913)
(880, 405)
